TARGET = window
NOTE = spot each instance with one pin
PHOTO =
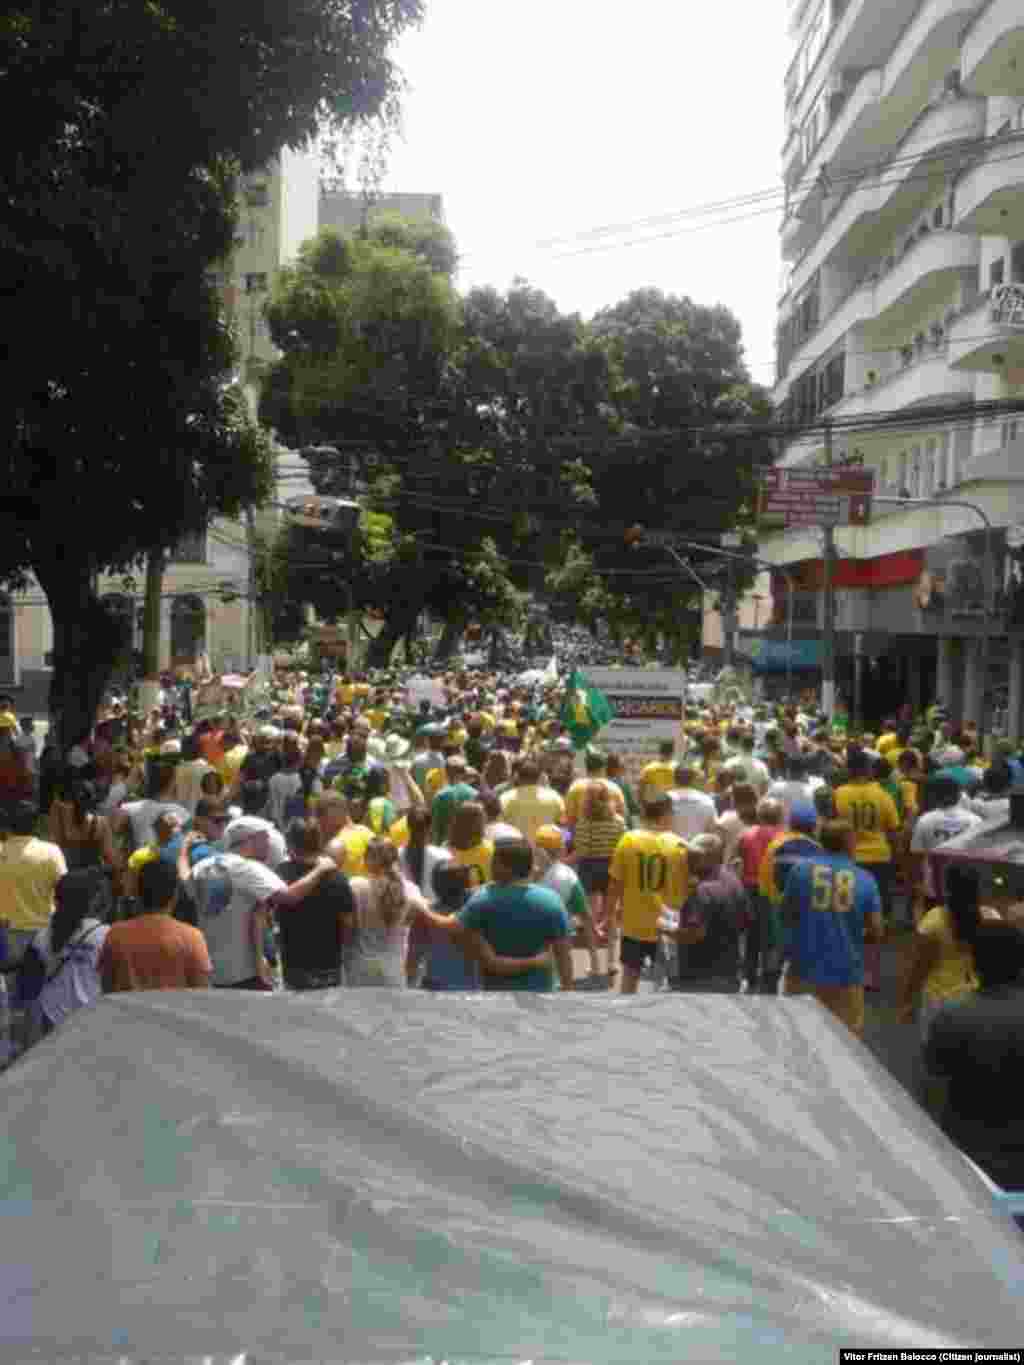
(1017, 263)
(7, 668)
(1009, 432)
(257, 196)
(937, 216)
(191, 549)
(996, 271)
(904, 472)
(256, 283)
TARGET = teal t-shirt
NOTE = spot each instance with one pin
(517, 921)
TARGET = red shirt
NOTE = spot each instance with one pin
(752, 845)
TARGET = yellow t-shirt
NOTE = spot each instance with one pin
(458, 736)
(348, 849)
(872, 813)
(953, 975)
(910, 802)
(32, 869)
(652, 868)
(478, 859)
(346, 694)
(660, 775)
(434, 781)
(363, 689)
(231, 765)
(487, 720)
(399, 833)
(576, 793)
(376, 718)
(890, 740)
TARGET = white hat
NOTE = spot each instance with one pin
(243, 829)
(171, 746)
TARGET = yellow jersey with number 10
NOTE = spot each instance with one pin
(872, 812)
(652, 869)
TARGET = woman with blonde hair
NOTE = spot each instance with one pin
(597, 833)
(386, 902)
(468, 845)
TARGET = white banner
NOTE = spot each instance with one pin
(648, 706)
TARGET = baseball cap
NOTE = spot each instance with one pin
(550, 837)
(803, 816)
(242, 830)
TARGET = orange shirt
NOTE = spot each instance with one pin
(154, 952)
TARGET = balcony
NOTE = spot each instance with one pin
(921, 280)
(926, 381)
(854, 309)
(882, 107)
(879, 206)
(860, 37)
(992, 59)
(990, 338)
(990, 197)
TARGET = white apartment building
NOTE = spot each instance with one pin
(903, 242)
(205, 606)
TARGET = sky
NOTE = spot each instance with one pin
(547, 119)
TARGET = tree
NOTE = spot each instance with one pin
(133, 123)
(685, 459)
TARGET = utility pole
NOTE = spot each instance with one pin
(828, 660)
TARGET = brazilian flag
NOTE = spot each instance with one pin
(585, 711)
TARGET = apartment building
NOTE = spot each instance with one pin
(903, 292)
(347, 212)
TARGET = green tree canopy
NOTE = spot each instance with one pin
(130, 124)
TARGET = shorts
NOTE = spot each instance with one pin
(636, 951)
(845, 1002)
(593, 874)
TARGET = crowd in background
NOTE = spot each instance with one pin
(344, 837)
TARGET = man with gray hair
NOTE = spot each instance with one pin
(693, 811)
(711, 922)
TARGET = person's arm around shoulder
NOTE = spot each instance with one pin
(295, 894)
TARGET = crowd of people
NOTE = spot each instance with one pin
(343, 837)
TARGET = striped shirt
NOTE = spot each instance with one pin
(598, 838)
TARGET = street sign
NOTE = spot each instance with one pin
(825, 496)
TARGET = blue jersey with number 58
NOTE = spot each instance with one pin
(827, 897)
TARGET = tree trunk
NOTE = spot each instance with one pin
(450, 636)
(401, 622)
(85, 643)
(155, 565)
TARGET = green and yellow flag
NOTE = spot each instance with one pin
(585, 711)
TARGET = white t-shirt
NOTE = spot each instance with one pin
(227, 889)
(792, 791)
(937, 827)
(693, 812)
(143, 816)
(77, 981)
(281, 788)
(278, 847)
(433, 856)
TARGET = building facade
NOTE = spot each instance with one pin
(347, 212)
(902, 308)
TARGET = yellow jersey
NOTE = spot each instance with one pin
(890, 740)
(399, 833)
(872, 812)
(652, 868)
(478, 860)
(574, 798)
(348, 849)
(377, 718)
(661, 776)
(434, 781)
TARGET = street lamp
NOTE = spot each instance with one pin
(636, 535)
